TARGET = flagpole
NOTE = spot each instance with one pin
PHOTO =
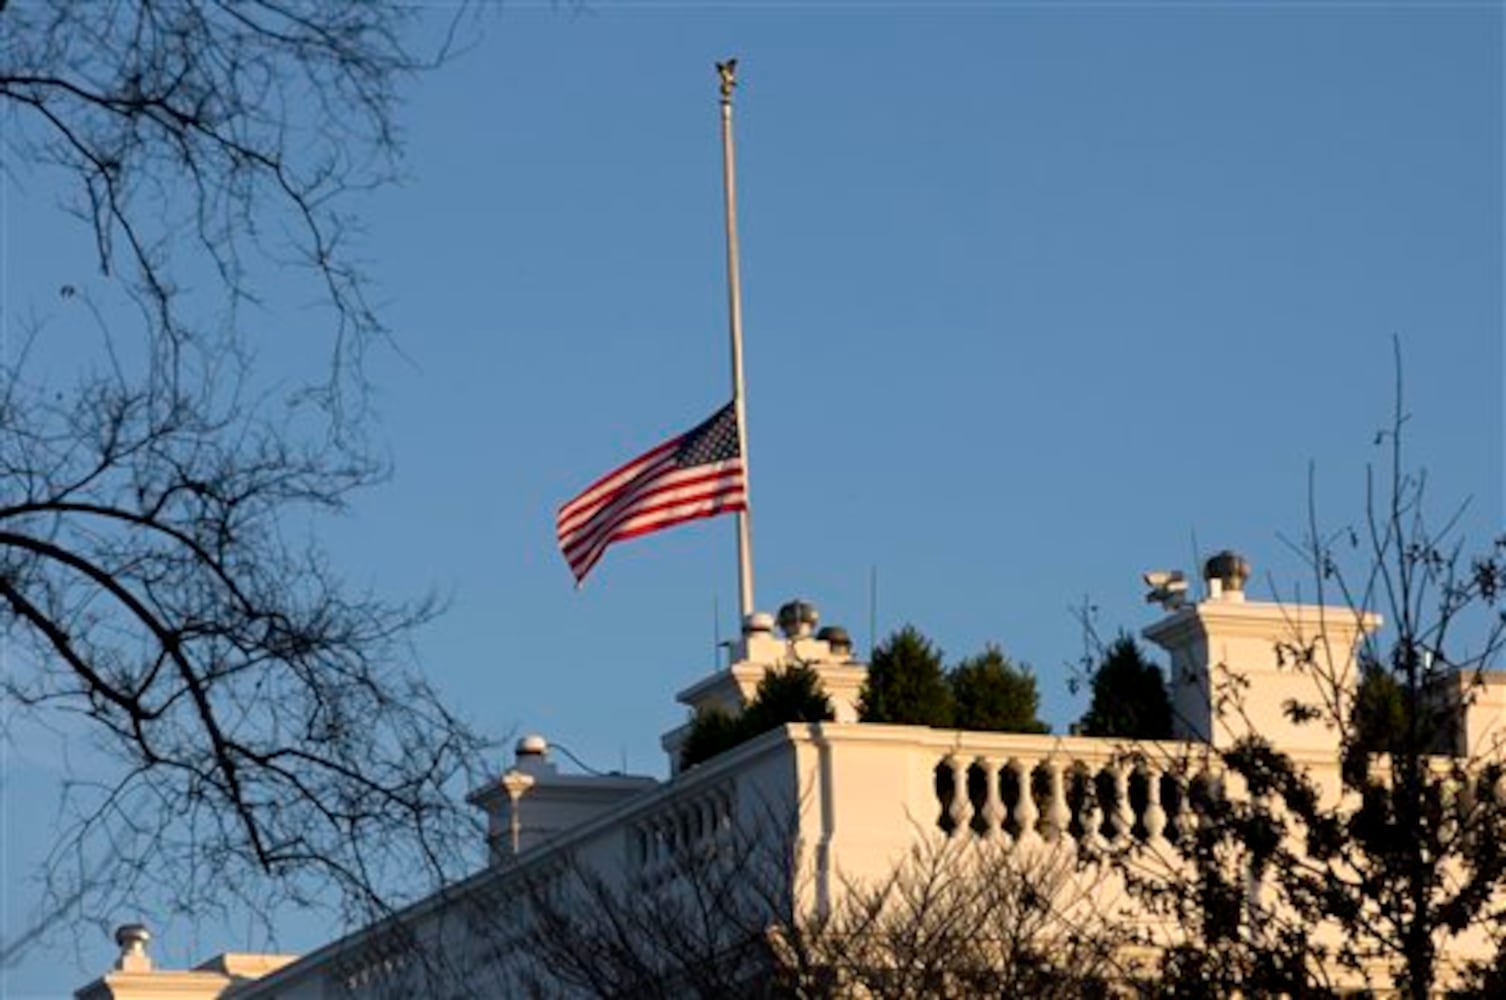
(727, 70)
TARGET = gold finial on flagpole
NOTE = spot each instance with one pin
(728, 72)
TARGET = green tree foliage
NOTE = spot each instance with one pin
(991, 693)
(712, 731)
(1129, 696)
(1380, 712)
(905, 683)
(791, 694)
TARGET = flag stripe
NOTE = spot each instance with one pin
(614, 480)
(708, 508)
(706, 491)
(568, 522)
(728, 485)
(666, 487)
(694, 475)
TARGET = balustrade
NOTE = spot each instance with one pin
(1102, 800)
(659, 840)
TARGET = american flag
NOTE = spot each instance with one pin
(698, 474)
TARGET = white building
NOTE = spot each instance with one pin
(837, 804)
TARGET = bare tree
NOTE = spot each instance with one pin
(261, 716)
(192, 130)
(267, 740)
(967, 919)
(1284, 889)
(737, 918)
(702, 931)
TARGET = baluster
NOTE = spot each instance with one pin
(669, 850)
(1209, 789)
(961, 808)
(1154, 818)
(1229, 786)
(1058, 813)
(993, 804)
(720, 809)
(1124, 816)
(706, 820)
(658, 849)
(1455, 792)
(1092, 817)
(1025, 812)
(1180, 825)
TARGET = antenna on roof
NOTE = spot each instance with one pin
(872, 610)
(1197, 560)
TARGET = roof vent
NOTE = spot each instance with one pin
(532, 745)
(1226, 574)
(759, 622)
(797, 619)
(132, 939)
(837, 638)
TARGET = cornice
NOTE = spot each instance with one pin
(1236, 619)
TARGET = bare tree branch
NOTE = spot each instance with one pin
(207, 126)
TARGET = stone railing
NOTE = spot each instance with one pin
(1098, 793)
(660, 837)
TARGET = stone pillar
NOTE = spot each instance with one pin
(1240, 666)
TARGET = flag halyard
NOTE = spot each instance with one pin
(696, 475)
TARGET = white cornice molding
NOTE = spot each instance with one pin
(1297, 622)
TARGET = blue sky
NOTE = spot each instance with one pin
(1035, 296)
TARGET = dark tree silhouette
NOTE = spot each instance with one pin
(191, 131)
(1129, 695)
(265, 738)
(789, 694)
(905, 683)
(1379, 716)
(713, 730)
(993, 694)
